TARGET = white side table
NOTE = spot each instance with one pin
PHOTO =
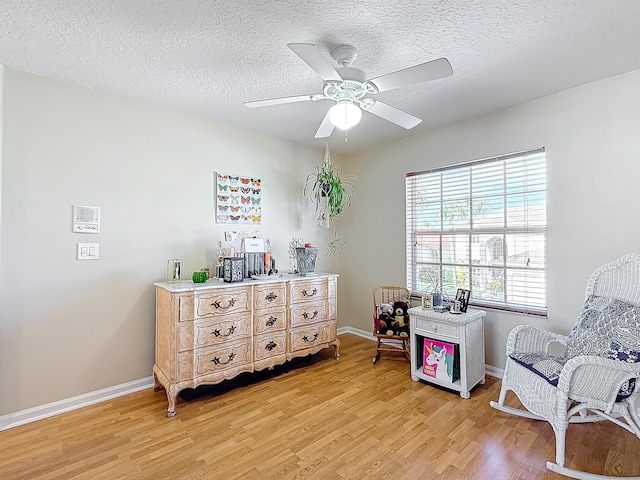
(465, 331)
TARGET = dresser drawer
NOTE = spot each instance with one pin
(431, 327)
(265, 346)
(305, 290)
(308, 313)
(204, 361)
(270, 321)
(308, 337)
(205, 333)
(215, 302)
(269, 295)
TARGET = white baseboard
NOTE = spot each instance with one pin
(73, 403)
(356, 331)
(493, 371)
(489, 369)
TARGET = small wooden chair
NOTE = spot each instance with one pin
(389, 294)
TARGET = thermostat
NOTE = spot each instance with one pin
(86, 219)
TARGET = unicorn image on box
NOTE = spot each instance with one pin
(438, 360)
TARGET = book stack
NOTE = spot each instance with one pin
(256, 260)
(256, 263)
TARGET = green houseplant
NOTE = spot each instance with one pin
(328, 190)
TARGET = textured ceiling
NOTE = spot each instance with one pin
(209, 56)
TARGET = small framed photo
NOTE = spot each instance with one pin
(427, 302)
(463, 296)
(174, 270)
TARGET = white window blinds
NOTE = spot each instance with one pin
(481, 226)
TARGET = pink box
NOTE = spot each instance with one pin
(438, 359)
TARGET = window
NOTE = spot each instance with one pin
(481, 226)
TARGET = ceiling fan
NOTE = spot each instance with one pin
(349, 88)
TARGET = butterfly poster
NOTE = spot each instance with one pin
(238, 199)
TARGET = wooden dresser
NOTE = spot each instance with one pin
(210, 332)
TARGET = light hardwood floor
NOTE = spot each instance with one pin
(313, 418)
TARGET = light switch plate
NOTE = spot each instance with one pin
(88, 251)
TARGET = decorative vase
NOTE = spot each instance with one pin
(306, 260)
(437, 298)
(199, 277)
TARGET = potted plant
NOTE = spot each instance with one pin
(330, 192)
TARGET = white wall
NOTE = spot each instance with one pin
(593, 163)
(69, 327)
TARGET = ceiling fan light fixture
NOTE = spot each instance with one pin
(345, 114)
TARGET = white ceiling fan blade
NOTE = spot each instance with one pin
(394, 115)
(277, 101)
(326, 127)
(312, 57)
(424, 72)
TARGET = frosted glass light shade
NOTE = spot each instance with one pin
(345, 115)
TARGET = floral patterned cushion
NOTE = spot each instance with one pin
(607, 328)
(602, 322)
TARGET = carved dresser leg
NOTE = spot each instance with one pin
(336, 349)
(172, 396)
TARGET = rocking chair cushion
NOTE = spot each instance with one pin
(549, 366)
(546, 366)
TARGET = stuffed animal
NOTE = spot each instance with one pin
(400, 324)
(385, 318)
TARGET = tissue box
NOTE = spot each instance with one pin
(233, 269)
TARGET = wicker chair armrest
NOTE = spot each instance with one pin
(529, 339)
(595, 380)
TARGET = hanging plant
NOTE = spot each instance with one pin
(328, 189)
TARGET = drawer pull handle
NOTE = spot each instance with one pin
(307, 316)
(271, 297)
(217, 361)
(307, 294)
(270, 346)
(271, 321)
(434, 328)
(306, 339)
(217, 333)
(217, 304)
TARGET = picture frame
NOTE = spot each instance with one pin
(427, 302)
(462, 296)
(174, 270)
(237, 199)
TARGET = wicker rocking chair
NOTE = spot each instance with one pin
(597, 378)
(389, 294)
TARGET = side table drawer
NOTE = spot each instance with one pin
(430, 326)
